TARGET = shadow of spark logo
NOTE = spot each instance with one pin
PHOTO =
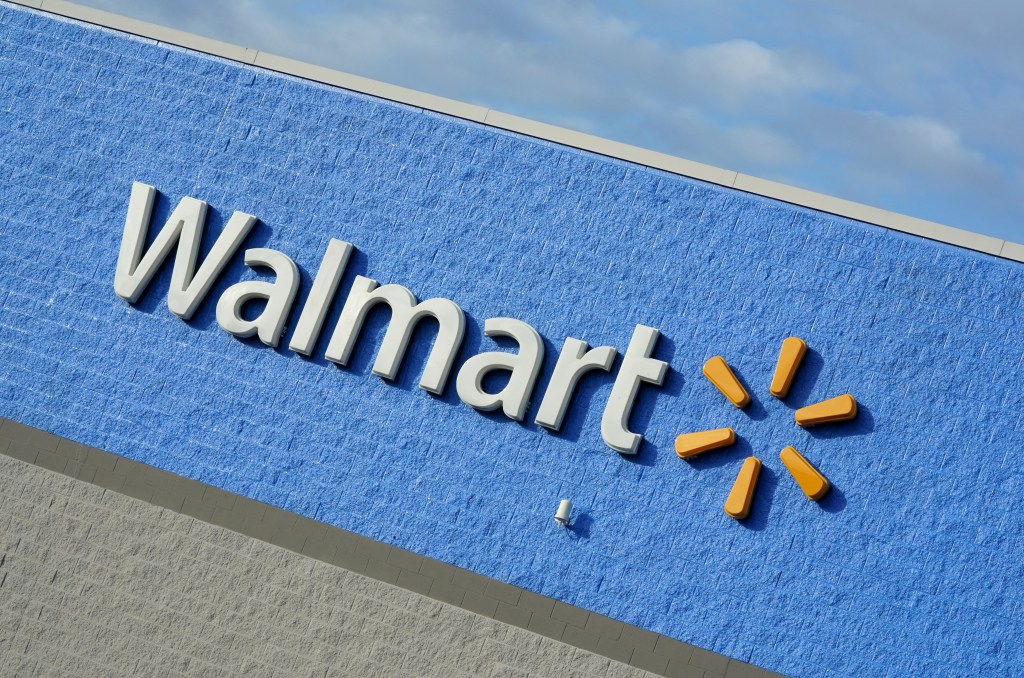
(810, 480)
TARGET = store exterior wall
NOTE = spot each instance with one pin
(95, 583)
(107, 555)
(909, 566)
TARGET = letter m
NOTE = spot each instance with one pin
(184, 229)
(405, 315)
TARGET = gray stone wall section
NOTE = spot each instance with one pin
(118, 568)
(98, 583)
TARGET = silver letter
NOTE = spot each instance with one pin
(573, 362)
(324, 286)
(405, 313)
(637, 366)
(184, 227)
(279, 294)
(514, 399)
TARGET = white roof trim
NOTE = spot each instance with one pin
(540, 130)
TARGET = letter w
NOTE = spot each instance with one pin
(184, 228)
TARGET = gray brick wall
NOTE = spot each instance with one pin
(112, 567)
(96, 583)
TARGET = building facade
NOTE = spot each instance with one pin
(191, 246)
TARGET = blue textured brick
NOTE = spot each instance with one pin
(910, 566)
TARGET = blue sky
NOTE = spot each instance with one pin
(907, 105)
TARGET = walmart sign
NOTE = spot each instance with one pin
(191, 281)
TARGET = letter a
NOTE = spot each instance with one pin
(514, 399)
(279, 295)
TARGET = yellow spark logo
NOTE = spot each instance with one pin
(810, 480)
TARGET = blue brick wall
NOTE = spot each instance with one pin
(911, 566)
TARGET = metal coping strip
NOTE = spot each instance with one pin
(687, 168)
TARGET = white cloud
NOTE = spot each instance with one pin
(741, 69)
(910, 146)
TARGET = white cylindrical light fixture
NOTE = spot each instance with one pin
(562, 514)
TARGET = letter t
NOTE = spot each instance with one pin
(637, 366)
